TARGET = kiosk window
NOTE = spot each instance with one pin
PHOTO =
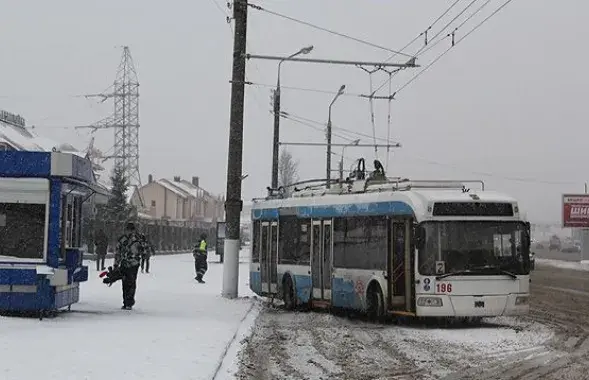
(23, 218)
(22, 230)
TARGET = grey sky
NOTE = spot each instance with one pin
(510, 100)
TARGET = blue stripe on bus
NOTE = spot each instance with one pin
(343, 294)
(303, 288)
(255, 282)
(332, 211)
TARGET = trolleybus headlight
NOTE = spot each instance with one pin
(521, 300)
(430, 301)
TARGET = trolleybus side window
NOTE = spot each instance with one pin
(288, 244)
(360, 242)
(256, 242)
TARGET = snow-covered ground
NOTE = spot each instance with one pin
(179, 329)
(582, 266)
(287, 345)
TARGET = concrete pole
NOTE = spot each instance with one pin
(328, 163)
(233, 203)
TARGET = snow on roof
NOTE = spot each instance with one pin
(173, 188)
(19, 138)
(23, 139)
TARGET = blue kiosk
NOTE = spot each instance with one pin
(41, 197)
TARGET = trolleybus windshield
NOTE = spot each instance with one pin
(474, 248)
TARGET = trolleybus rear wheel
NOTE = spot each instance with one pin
(288, 293)
(375, 302)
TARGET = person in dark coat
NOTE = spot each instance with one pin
(150, 250)
(200, 258)
(130, 248)
(101, 242)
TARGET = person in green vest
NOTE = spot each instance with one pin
(200, 258)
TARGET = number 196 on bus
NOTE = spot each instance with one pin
(443, 288)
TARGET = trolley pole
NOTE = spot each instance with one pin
(233, 203)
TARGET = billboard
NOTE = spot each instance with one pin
(575, 210)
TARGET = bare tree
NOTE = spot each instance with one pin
(287, 169)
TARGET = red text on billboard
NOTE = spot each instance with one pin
(575, 208)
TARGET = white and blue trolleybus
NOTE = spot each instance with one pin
(392, 246)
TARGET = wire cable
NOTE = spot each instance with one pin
(364, 42)
(494, 175)
(384, 83)
(306, 89)
(456, 29)
(450, 48)
(322, 130)
(342, 130)
(220, 8)
(447, 25)
(424, 32)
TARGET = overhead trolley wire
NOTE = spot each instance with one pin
(342, 130)
(493, 175)
(451, 34)
(317, 90)
(343, 35)
(322, 130)
(450, 48)
(446, 26)
(424, 33)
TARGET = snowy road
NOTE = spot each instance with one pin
(560, 299)
(319, 346)
(551, 344)
(179, 329)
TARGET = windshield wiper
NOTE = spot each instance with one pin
(456, 273)
(498, 269)
(477, 270)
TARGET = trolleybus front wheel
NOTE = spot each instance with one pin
(288, 293)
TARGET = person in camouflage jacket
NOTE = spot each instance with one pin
(131, 247)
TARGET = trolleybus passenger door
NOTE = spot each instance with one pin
(273, 260)
(264, 257)
(409, 266)
(316, 260)
(400, 273)
(327, 259)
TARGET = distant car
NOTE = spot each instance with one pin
(571, 247)
(555, 244)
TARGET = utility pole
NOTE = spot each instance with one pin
(328, 164)
(233, 203)
(275, 150)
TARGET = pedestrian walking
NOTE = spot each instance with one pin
(150, 250)
(200, 258)
(101, 242)
(130, 248)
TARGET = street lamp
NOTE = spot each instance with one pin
(341, 163)
(328, 169)
(305, 50)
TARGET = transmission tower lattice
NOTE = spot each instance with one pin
(125, 120)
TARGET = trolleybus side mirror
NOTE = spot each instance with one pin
(528, 235)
